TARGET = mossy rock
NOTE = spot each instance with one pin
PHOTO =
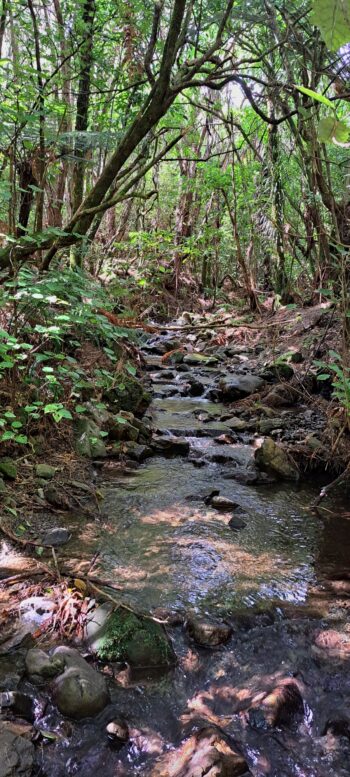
(45, 471)
(8, 468)
(273, 458)
(278, 370)
(140, 642)
(88, 442)
(128, 394)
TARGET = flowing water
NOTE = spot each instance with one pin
(167, 548)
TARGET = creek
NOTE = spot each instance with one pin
(171, 551)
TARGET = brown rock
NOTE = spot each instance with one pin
(278, 707)
(208, 633)
(205, 753)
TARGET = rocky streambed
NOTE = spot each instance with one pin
(243, 667)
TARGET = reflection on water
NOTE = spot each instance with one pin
(168, 548)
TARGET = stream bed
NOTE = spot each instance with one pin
(161, 539)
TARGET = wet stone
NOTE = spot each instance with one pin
(273, 458)
(236, 523)
(278, 707)
(170, 445)
(208, 633)
(239, 386)
(117, 732)
(55, 537)
(17, 754)
(11, 670)
(80, 691)
(39, 665)
(223, 503)
(20, 704)
(207, 752)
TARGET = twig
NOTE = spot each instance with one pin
(326, 489)
(55, 563)
(226, 324)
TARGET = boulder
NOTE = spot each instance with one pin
(21, 704)
(196, 387)
(201, 359)
(133, 450)
(236, 424)
(236, 523)
(17, 754)
(277, 707)
(170, 446)
(223, 503)
(140, 642)
(282, 395)
(8, 468)
(278, 370)
(145, 429)
(128, 394)
(208, 633)
(207, 752)
(117, 732)
(268, 425)
(239, 386)
(45, 471)
(11, 670)
(80, 691)
(273, 458)
(88, 441)
(123, 430)
(55, 537)
(99, 414)
(40, 666)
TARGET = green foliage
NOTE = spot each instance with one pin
(315, 96)
(332, 17)
(340, 375)
(50, 318)
(330, 129)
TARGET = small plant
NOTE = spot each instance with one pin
(41, 376)
(340, 375)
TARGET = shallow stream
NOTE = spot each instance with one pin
(168, 549)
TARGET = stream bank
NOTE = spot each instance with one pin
(250, 584)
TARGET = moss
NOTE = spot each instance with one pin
(139, 641)
(128, 394)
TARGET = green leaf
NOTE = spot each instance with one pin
(330, 129)
(7, 436)
(21, 439)
(131, 369)
(332, 17)
(315, 95)
(335, 355)
(324, 376)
